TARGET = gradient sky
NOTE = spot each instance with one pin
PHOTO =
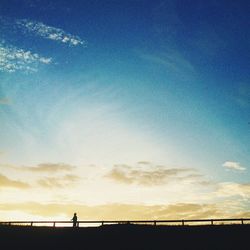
(124, 109)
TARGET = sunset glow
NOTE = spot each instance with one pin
(124, 109)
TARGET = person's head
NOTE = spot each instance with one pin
(74, 213)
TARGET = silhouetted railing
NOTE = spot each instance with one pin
(147, 222)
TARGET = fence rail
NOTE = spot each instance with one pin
(108, 222)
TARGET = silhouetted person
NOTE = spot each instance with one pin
(74, 219)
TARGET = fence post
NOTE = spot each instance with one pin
(155, 223)
(242, 221)
(212, 222)
(182, 222)
(54, 224)
(31, 224)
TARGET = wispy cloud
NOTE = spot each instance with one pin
(42, 168)
(153, 175)
(46, 175)
(121, 211)
(233, 166)
(58, 182)
(232, 189)
(144, 162)
(14, 59)
(9, 183)
(49, 32)
(172, 60)
(48, 167)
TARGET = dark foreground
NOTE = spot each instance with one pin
(127, 237)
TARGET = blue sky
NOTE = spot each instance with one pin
(111, 84)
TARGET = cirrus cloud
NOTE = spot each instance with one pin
(15, 59)
(49, 167)
(58, 182)
(5, 182)
(42, 168)
(49, 32)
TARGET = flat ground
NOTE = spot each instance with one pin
(127, 237)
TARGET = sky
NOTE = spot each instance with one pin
(124, 109)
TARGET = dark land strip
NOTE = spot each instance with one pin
(139, 237)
